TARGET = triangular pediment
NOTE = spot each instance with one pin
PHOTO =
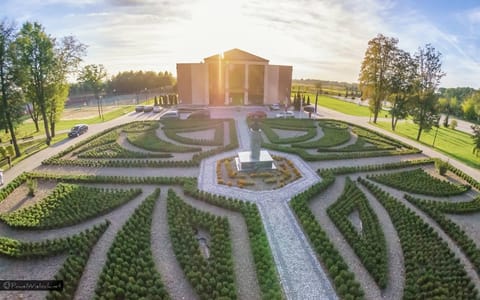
(237, 54)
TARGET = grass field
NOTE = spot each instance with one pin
(28, 128)
(456, 144)
(345, 107)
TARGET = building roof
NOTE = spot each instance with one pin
(236, 54)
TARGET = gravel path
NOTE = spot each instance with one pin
(301, 275)
(469, 223)
(19, 197)
(29, 269)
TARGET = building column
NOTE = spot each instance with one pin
(245, 92)
(227, 85)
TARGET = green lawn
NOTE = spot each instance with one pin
(454, 143)
(28, 128)
(345, 107)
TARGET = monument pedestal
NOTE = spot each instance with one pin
(245, 162)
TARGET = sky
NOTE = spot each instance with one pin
(321, 39)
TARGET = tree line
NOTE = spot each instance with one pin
(127, 82)
(410, 83)
(34, 67)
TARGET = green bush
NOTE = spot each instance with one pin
(441, 166)
(130, 271)
(419, 182)
(67, 205)
(369, 244)
(453, 124)
(431, 269)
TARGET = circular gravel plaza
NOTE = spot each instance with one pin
(155, 209)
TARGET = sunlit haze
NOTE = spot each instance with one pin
(320, 39)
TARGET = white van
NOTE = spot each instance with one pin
(172, 114)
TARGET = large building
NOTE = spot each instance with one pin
(234, 78)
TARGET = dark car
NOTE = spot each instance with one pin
(200, 114)
(147, 109)
(78, 130)
(139, 108)
(257, 115)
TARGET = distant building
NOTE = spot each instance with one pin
(236, 78)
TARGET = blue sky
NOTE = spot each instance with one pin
(324, 39)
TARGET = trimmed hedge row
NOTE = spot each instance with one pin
(369, 244)
(310, 132)
(337, 155)
(114, 150)
(130, 271)
(331, 137)
(436, 211)
(211, 277)
(431, 269)
(18, 249)
(264, 264)
(341, 276)
(371, 168)
(72, 269)
(420, 182)
(68, 204)
(464, 176)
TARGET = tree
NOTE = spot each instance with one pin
(476, 139)
(400, 84)
(374, 71)
(37, 59)
(471, 107)
(428, 75)
(68, 55)
(447, 105)
(12, 104)
(93, 76)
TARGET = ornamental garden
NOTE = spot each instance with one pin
(133, 222)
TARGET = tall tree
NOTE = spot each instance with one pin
(428, 75)
(68, 55)
(476, 139)
(11, 97)
(374, 71)
(471, 107)
(447, 105)
(400, 84)
(37, 57)
(93, 76)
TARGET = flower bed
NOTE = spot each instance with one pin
(284, 173)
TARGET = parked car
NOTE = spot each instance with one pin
(257, 115)
(172, 114)
(157, 109)
(78, 130)
(200, 114)
(147, 109)
(275, 106)
(285, 114)
(139, 108)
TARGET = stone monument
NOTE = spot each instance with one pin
(255, 159)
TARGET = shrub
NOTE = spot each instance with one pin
(32, 186)
(453, 124)
(441, 166)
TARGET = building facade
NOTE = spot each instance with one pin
(234, 78)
